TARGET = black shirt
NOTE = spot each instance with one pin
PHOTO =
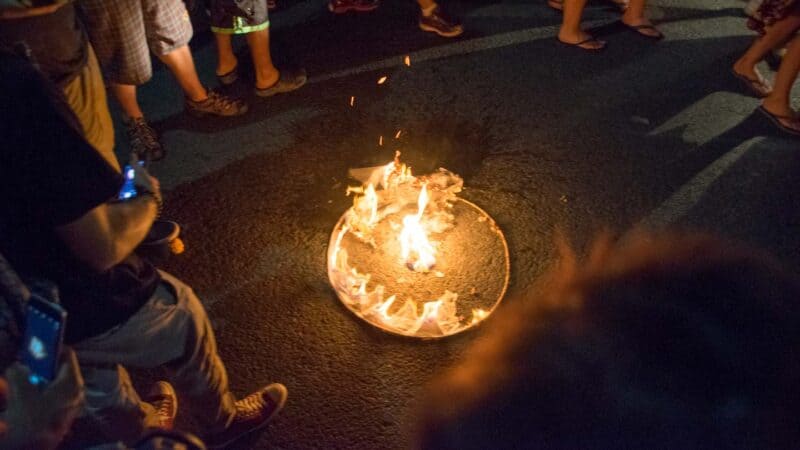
(50, 176)
(57, 42)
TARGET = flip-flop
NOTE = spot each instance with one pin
(776, 119)
(753, 84)
(638, 30)
(579, 45)
(230, 77)
(288, 81)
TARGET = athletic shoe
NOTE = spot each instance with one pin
(143, 139)
(164, 400)
(438, 22)
(252, 413)
(343, 6)
(216, 104)
(288, 81)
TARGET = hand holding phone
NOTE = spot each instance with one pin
(40, 416)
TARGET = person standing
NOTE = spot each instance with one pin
(249, 17)
(121, 32)
(53, 38)
(777, 21)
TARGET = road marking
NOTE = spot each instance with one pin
(681, 202)
(461, 47)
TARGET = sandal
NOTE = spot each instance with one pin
(230, 77)
(792, 127)
(758, 86)
(582, 44)
(638, 30)
(288, 80)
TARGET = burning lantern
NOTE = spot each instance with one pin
(413, 258)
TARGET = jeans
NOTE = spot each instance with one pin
(170, 330)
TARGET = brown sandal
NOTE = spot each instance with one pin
(792, 128)
(758, 86)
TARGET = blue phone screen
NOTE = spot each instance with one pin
(42, 341)
(128, 189)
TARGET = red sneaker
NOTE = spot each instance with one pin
(252, 413)
(343, 6)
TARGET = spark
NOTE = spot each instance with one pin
(352, 101)
(407, 60)
(399, 132)
(382, 79)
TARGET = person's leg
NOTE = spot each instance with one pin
(226, 59)
(779, 100)
(172, 329)
(571, 32)
(181, 64)
(634, 16)
(774, 35)
(266, 73)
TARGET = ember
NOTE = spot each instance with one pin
(399, 228)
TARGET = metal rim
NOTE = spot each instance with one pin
(506, 278)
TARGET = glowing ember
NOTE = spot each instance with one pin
(382, 79)
(398, 222)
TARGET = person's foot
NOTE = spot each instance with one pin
(582, 40)
(162, 397)
(343, 6)
(753, 81)
(642, 26)
(252, 413)
(288, 81)
(782, 115)
(228, 74)
(216, 104)
(437, 21)
(143, 139)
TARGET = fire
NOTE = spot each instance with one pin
(416, 250)
(380, 219)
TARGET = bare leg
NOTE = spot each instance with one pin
(181, 65)
(634, 16)
(571, 32)
(774, 35)
(426, 4)
(266, 73)
(779, 101)
(226, 59)
(126, 96)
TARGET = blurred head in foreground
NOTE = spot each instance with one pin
(679, 341)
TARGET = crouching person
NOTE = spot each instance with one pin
(60, 219)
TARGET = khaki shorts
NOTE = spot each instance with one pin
(86, 96)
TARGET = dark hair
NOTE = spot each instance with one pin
(671, 341)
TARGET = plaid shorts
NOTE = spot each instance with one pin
(121, 31)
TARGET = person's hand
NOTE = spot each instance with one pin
(39, 417)
(141, 177)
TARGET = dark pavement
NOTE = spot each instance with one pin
(546, 138)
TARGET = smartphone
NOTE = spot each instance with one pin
(128, 190)
(43, 338)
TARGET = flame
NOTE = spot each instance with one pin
(415, 248)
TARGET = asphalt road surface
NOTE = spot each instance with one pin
(546, 137)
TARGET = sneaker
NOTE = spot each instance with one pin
(216, 104)
(144, 140)
(252, 413)
(438, 22)
(288, 81)
(164, 400)
(343, 6)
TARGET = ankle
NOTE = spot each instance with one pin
(267, 79)
(427, 11)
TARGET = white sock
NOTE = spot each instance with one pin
(429, 10)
